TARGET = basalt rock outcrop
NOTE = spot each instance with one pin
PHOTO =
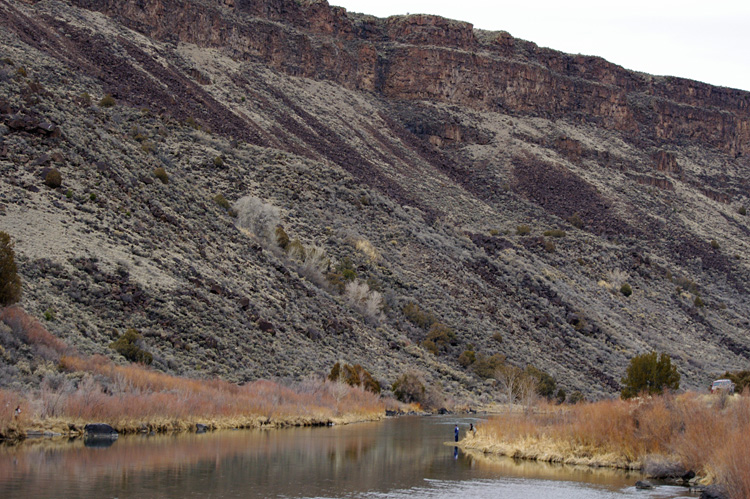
(423, 57)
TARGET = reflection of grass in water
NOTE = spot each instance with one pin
(524, 468)
(165, 452)
(705, 434)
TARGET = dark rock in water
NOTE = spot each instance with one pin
(99, 429)
(688, 476)
(443, 410)
(200, 428)
(643, 485)
(714, 492)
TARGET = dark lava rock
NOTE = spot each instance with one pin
(714, 492)
(99, 429)
(200, 428)
(266, 327)
(643, 485)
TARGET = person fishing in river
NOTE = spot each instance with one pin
(456, 432)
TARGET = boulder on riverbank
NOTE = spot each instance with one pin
(99, 429)
(660, 467)
(714, 492)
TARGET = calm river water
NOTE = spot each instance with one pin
(398, 458)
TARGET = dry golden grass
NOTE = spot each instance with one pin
(135, 398)
(701, 432)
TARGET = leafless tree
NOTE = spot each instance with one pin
(509, 379)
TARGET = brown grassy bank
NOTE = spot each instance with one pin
(135, 398)
(709, 435)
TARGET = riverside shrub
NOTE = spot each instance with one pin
(409, 388)
(650, 374)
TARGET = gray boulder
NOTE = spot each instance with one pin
(643, 485)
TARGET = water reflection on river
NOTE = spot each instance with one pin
(402, 457)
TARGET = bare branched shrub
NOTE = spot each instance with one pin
(509, 380)
(53, 392)
(33, 333)
(314, 263)
(617, 278)
(367, 302)
(258, 217)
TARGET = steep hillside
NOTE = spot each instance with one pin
(503, 190)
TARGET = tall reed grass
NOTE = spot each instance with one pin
(691, 431)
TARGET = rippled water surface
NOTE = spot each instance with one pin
(409, 457)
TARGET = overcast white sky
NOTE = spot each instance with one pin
(704, 40)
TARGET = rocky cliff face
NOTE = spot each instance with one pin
(413, 147)
(430, 58)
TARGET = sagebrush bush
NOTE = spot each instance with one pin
(107, 101)
(626, 290)
(575, 221)
(53, 178)
(439, 338)
(282, 238)
(486, 366)
(467, 358)
(555, 233)
(10, 282)
(342, 274)
(409, 388)
(417, 316)
(355, 375)
(222, 202)
(128, 345)
(545, 383)
(296, 250)
(548, 246)
(686, 284)
(523, 230)
(161, 174)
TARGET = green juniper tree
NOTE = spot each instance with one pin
(10, 282)
(649, 374)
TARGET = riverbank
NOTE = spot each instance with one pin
(72, 428)
(666, 436)
(132, 398)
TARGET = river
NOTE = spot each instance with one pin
(407, 457)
